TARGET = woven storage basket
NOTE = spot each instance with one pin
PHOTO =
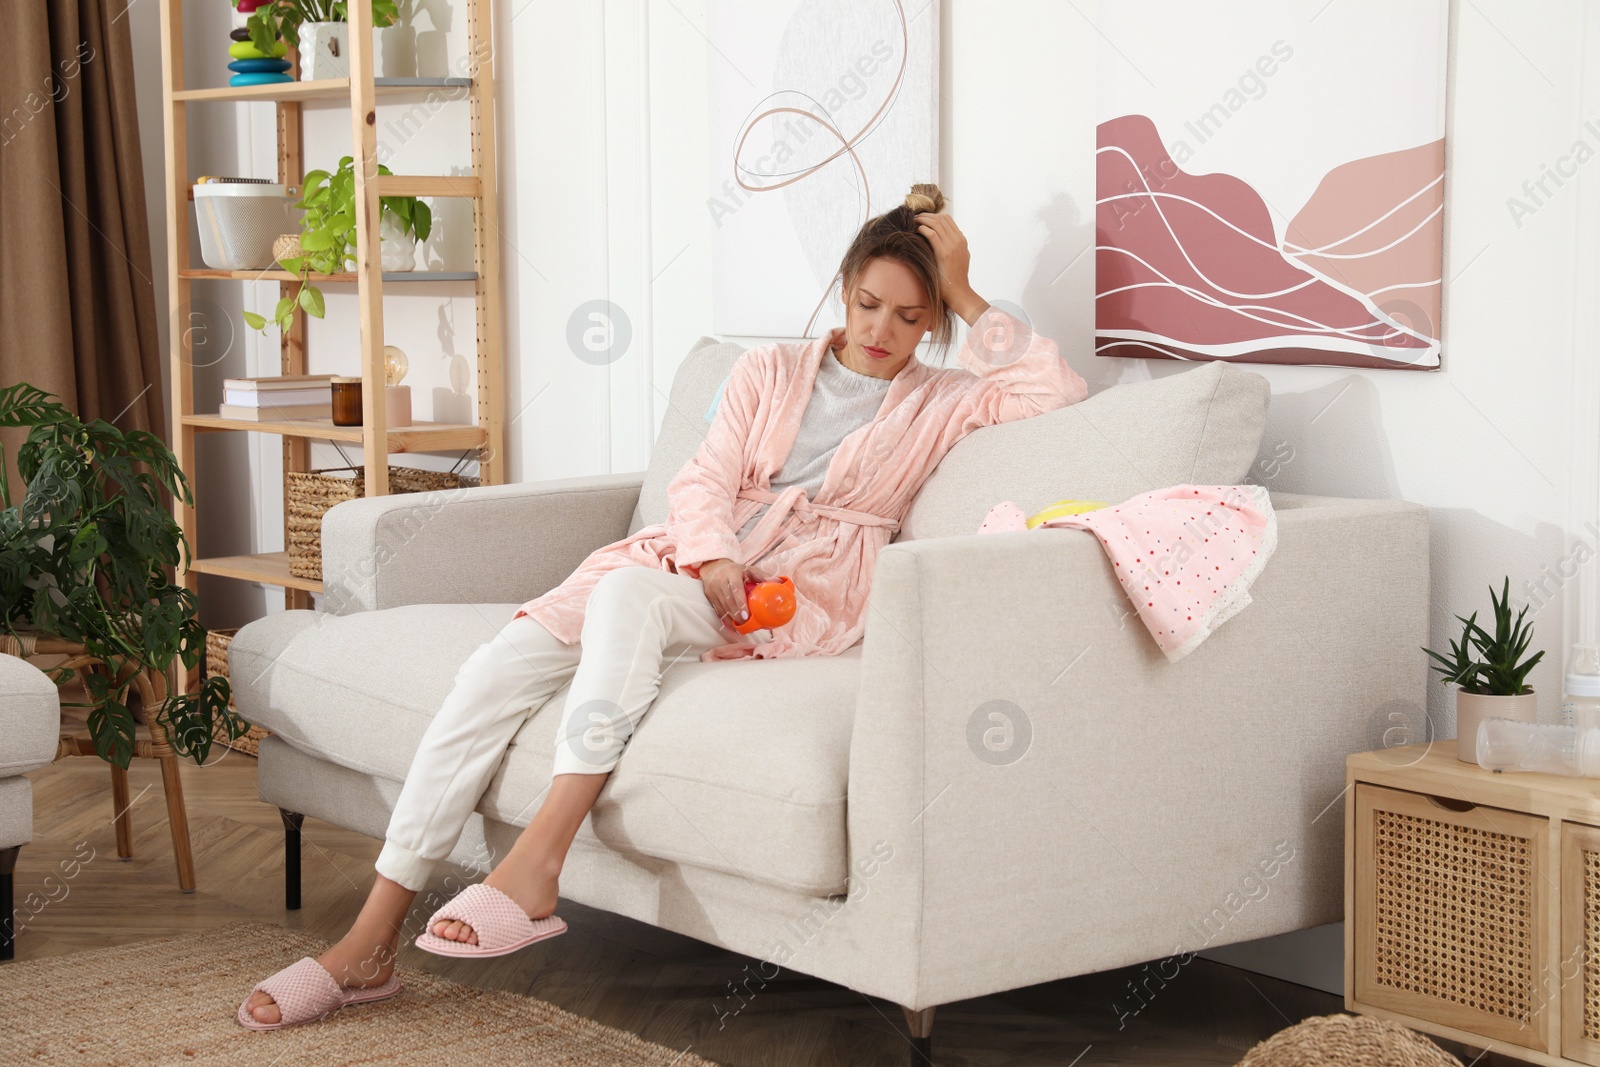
(217, 642)
(287, 246)
(1347, 1041)
(312, 493)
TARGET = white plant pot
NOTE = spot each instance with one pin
(397, 249)
(1473, 708)
(396, 53)
(324, 50)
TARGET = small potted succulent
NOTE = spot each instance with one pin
(327, 240)
(1490, 671)
(321, 28)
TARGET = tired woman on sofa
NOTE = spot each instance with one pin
(816, 452)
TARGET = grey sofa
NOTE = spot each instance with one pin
(1003, 783)
(30, 723)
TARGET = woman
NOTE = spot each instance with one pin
(816, 451)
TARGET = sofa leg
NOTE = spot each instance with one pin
(8, 904)
(920, 1023)
(292, 821)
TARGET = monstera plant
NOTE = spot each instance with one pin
(85, 548)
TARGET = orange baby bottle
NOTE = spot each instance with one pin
(771, 604)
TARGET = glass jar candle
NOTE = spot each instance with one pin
(346, 401)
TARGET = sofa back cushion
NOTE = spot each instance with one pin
(696, 390)
(1202, 425)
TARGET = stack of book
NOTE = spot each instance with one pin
(279, 397)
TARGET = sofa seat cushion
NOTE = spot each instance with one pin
(740, 766)
(16, 811)
(359, 689)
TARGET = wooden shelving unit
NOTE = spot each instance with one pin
(362, 91)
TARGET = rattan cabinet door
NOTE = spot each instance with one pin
(1580, 942)
(1451, 905)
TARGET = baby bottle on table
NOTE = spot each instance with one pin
(1580, 702)
(1510, 745)
(1572, 748)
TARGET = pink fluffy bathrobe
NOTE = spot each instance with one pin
(829, 545)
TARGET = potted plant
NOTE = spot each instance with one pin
(321, 27)
(1490, 671)
(84, 556)
(327, 239)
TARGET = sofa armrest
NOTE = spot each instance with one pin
(1057, 798)
(493, 544)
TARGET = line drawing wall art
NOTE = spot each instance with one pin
(1270, 188)
(823, 114)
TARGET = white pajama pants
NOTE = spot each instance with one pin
(638, 620)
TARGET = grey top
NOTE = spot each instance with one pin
(842, 401)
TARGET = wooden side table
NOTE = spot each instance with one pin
(1472, 902)
(152, 686)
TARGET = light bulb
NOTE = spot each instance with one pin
(395, 365)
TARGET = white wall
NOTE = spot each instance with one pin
(1501, 444)
(603, 134)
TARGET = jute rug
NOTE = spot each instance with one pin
(172, 1001)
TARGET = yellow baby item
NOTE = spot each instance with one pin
(1064, 507)
(247, 50)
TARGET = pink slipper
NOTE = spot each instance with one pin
(305, 992)
(501, 925)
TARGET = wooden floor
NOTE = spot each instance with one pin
(666, 988)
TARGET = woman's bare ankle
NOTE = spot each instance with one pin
(532, 882)
(361, 958)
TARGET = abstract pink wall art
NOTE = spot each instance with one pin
(1262, 196)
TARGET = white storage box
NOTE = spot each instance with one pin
(239, 221)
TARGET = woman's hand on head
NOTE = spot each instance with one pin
(723, 580)
(955, 260)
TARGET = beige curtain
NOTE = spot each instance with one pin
(77, 299)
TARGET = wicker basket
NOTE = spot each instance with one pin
(217, 642)
(287, 246)
(312, 493)
(1347, 1041)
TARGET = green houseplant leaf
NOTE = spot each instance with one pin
(1460, 668)
(318, 240)
(311, 300)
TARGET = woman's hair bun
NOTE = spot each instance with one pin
(924, 198)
